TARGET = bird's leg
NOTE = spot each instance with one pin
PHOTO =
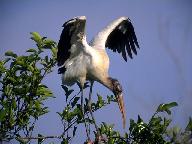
(83, 113)
(90, 109)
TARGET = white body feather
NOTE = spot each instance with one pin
(85, 63)
(80, 61)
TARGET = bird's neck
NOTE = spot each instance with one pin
(113, 85)
(108, 82)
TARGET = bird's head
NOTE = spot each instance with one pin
(117, 88)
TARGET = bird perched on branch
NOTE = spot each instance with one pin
(80, 61)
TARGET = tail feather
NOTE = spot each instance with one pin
(122, 108)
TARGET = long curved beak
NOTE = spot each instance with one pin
(120, 102)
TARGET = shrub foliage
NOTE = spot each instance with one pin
(22, 102)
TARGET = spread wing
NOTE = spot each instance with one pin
(73, 32)
(118, 36)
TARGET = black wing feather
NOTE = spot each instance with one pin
(133, 35)
(123, 39)
(132, 45)
(64, 44)
(129, 50)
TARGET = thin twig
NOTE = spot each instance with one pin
(40, 137)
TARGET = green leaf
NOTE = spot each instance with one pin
(67, 91)
(45, 92)
(48, 43)
(32, 50)
(174, 131)
(2, 115)
(166, 107)
(30, 68)
(10, 53)
(189, 125)
(139, 120)
(170, 105)
(111, 141)
(166, 122)
(78, 112)
(65, 141)
(126, 135)
(8, 89)
(54, 51)
(36, 37)
(100, 101)
(21, 63)
(105, 125)
(38, 105)
(102, 129)
(14, 104)
(132, 124)
(75, 101)
(155, 120)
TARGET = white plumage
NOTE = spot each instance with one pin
(80, 61)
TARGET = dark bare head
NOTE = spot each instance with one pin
(117, 88)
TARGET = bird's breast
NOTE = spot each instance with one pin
(76, 68)
(99, 64)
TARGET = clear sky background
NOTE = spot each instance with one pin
(160, 73)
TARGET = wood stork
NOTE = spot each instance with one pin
(81, 62)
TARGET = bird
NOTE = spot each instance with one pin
(80, 61)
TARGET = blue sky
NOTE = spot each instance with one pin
(160, 73)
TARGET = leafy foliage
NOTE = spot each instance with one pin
(177, 136)
(23, 94)
(72, 115)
